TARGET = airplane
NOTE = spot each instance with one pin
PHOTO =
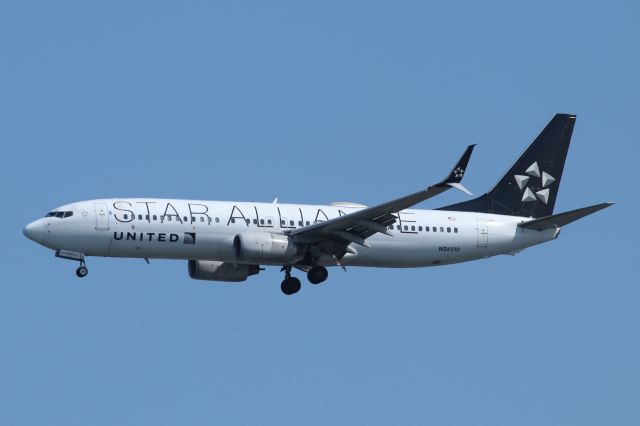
(229, 241)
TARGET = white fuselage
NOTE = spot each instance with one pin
(205, 230)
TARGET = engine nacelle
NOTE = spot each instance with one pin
(260, 247)
(212, 270)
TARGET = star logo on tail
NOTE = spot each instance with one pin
(533, 171)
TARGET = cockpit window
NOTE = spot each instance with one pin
(59, 214)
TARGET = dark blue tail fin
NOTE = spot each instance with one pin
(530, 187)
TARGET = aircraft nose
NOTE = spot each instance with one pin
(34, 231)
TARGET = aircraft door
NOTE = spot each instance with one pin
(102, 217)
(483, 234)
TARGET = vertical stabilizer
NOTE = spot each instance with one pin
(531, 185)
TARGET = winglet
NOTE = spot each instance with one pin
(457, 173)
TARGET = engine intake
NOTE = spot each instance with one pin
(212, 270)
(260, 247)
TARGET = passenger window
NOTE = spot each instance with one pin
(419, 228)
(185, 218)
(291, 222)
(155, 217)
(282, 223)
(261, 221)
(406, 227)
(434, 229)
(426, 229)
(413, 228)
(308, 223)
(233, 220)
(147, 217)
(442, 229)
(391, 227)
(269, 221)
(201, 219)
(299, 223)
(248, 221)
(139, 217)
(448, 229)
(126, 216)
(255, 221)
(169, 218)
(455, 230)
(217, 220)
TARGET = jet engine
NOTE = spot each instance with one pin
(261, 247)
(212, 270)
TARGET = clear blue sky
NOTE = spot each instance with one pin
(317, 102)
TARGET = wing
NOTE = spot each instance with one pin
(356, 227)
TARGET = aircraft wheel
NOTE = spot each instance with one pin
(317, 274)
(290, 286)
(82, 272)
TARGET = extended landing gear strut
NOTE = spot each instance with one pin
(290, 285)
(82, 271)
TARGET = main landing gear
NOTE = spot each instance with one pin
(291, 285)
(317, 274)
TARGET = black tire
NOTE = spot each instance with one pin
(82, 272)
(290, 286)
(317, 274)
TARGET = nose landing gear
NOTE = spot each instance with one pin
(82, 271)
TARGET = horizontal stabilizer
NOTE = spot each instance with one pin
(561, 219)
